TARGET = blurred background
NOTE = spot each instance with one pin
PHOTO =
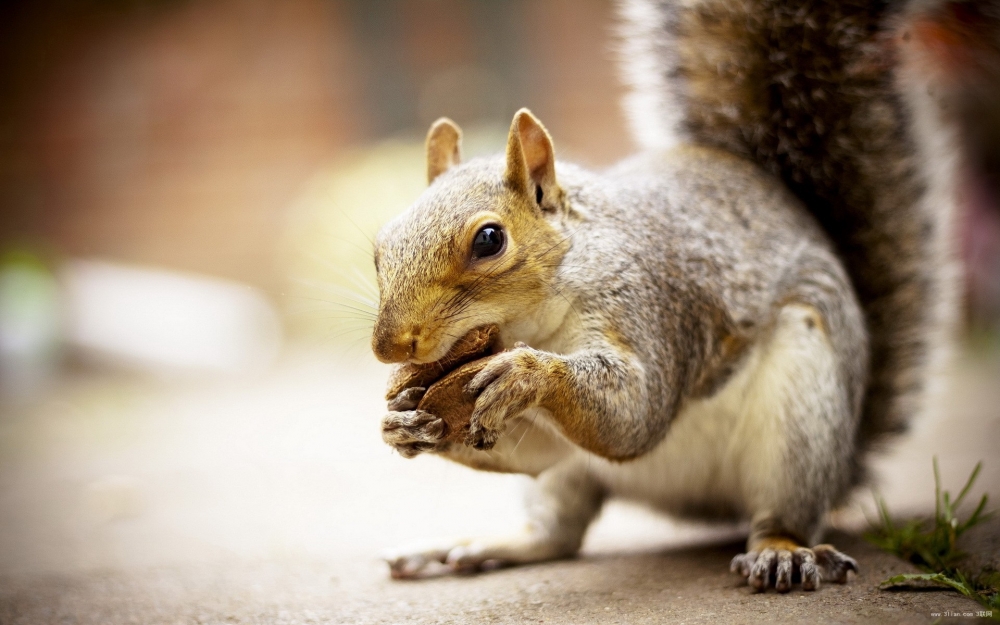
(188, 192)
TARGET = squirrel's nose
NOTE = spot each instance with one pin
(391, 348)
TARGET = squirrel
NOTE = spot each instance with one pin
(722, 326)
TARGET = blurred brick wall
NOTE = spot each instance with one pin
(174, 136)
(175, 132)
(574, 79)
(481, 60)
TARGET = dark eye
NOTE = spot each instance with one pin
(488, 242)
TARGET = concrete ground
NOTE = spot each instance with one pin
(267, 500)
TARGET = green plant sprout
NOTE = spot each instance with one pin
(932, 545)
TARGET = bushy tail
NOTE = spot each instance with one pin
(830, 97)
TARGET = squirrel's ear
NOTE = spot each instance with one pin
(444, 147)
(531, 161)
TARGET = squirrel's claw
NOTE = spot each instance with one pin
(834, 564)
(510, 384)
(410, 562)
(781, 568)
(407, 399)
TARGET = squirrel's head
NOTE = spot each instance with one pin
(481, 245)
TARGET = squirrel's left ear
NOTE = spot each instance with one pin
(531, 161)
(444, 147)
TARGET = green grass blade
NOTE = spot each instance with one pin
(933, 547)
(937, 491)
(886, 519)
(977, 515)
(934, 578)
(968, 485)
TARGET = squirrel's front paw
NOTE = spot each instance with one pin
(511, 383)
(780, 565)
(411, 432)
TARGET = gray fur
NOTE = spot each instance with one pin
(718, 327)
(678, 266)
(809, 92)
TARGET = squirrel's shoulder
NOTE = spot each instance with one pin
(690, 185)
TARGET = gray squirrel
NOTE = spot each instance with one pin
(722, 326)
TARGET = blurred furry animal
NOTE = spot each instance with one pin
(721, 326)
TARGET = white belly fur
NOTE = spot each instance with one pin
(719, 451)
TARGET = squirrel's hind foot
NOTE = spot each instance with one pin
(781, 563)
(473, 555)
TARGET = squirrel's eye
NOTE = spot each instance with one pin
(488, 242)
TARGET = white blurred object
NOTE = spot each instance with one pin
(161, 320)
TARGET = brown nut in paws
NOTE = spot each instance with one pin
(444, 381)
(476, 344)
(447, 400)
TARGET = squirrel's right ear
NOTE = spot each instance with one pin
(444, 147)
(531, 161)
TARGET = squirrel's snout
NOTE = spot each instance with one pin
(390, 347)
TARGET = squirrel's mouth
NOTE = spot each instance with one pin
(431, 352)
(477, 343)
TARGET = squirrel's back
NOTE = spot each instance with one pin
(819, 93)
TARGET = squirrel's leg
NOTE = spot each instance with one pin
(597, 397)
(794, 458)
(561, 502)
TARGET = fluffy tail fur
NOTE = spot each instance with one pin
(833, 98)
